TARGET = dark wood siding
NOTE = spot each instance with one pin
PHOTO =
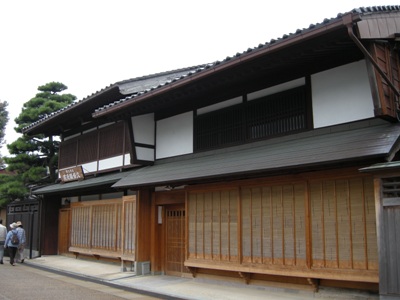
(113, 140)
(87, 148)
(389, 236)
(68, 153)
(388, 60)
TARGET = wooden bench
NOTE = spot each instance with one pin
(312, 275)
(97, 253)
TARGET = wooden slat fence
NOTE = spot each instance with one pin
(104, 228)
(315, 229)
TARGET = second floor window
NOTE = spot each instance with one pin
(100, 144)
(272, 115)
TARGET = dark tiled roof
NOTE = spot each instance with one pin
(144, 89)
(341, 144)
(125, 87)
(108, 179)
(238, 55)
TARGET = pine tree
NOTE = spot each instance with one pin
(34, 159)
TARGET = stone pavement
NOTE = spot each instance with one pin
(170, 287)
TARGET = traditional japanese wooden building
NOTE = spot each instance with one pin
(279, 163)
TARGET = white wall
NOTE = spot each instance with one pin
(341, 95)
(174, 136)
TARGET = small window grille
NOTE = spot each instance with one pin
(391, 187)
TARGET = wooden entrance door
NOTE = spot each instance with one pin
(175, 239)
(64, 230)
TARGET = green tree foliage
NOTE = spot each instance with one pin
(33, 159)
(3, 123)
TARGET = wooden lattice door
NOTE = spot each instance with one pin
(175, 240)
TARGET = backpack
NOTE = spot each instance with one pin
(14, 238)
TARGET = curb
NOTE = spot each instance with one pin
(103, 282)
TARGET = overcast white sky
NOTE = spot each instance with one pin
(88, 45)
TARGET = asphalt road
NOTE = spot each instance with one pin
(23, 282)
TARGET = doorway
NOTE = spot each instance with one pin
(174, 239)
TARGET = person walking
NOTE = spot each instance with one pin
(11, 244)
(20, 257)
(3, 234)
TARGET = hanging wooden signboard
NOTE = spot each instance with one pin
(72, 174)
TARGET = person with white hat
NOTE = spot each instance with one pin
(3, 234)
(12, 242)
(20, 257)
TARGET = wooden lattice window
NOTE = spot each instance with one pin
(213, 225)
(104, 227)
(113, 140)
(343, 224)
(274, 224)
(277, 114)
(219, 128)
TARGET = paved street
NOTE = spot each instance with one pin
(23, 282)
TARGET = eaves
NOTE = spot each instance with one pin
(230, 62)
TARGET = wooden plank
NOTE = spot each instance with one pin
(381, 236)
(346, 275)
(392, 223)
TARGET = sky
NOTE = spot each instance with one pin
(88, 45)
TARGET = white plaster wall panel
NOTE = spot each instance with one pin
(341, 95)
(276, 89)
(111, 163)
(89, 167)
(143, 129)
(220, 105)
(174, 136)
(127, 159)
(145, 154)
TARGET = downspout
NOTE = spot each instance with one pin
(371, 59)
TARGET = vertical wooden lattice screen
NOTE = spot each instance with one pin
(257, 119)
(343, 224)
(110, 141)
(213, 225)
(314, 224)
(273, 224)
(105, 228)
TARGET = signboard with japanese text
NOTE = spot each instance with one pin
(72, 174)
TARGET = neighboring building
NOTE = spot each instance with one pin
(279, 163)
